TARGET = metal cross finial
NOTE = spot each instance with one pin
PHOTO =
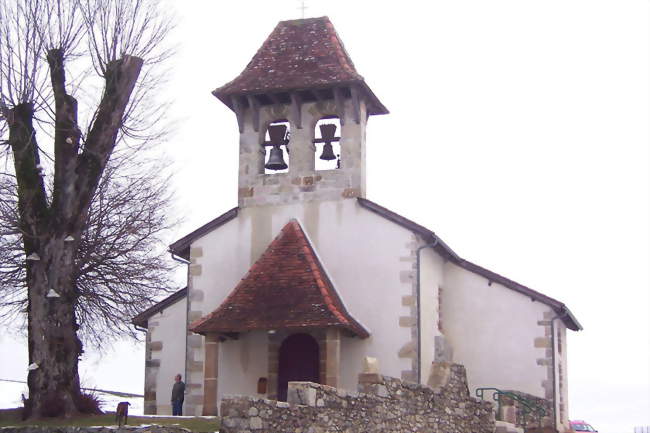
(302, 8)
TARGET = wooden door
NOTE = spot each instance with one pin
(298, 360)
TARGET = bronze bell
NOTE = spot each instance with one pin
(277, 136)
(328, 152)
(276, 159)
(327, 131)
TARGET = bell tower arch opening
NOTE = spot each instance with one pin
(327, 141)
(298, 360)
(276, 147)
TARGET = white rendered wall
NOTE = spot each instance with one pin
(168, 327)
(360, 251)
(242, 362)
(492, 330)
(224, 261)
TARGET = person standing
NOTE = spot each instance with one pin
(178, 395)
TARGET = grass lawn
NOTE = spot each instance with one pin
(11, 417)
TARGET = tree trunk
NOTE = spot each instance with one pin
(52, 332)
(52, 340)
(54, 348)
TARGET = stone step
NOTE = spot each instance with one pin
(506, 427)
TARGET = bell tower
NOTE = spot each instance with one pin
(302, 110)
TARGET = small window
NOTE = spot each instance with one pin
(261, 385)
(276, 141)
(328, 147)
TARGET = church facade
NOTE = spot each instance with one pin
(306, 277)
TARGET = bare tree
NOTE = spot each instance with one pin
(120, 265)
(78, 246)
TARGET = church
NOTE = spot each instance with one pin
(307, 277)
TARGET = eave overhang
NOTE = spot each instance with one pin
(142, 319)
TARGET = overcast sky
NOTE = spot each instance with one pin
(518, 133)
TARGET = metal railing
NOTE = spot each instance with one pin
(527, 406)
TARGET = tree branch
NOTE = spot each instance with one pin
(120, 79)
(66, 144)
(32, 199)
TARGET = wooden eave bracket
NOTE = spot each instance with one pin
(317, 95)
(296, 110)
(254, 106)
(223, 336)
(238, 108)
(356, 104)
(339, 99)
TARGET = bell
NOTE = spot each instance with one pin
(328, 152)
(276, 159)
(277, 134)
(327, 131)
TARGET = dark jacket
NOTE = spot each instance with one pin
(178, 391)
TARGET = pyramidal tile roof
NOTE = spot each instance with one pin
(286, 288)
(299, 55)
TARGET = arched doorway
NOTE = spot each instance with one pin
(298, 360)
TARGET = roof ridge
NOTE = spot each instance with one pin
(314, 264)
(341, 53)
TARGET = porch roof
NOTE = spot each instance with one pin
(286, 288)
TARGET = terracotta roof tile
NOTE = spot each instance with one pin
(299, 55)
(286, 288)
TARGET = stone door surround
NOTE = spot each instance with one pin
(329, 347)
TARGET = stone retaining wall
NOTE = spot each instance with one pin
(383, 404)
(109, 429)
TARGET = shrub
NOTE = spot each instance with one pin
(89, 403)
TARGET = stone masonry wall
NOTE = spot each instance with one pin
(194, 349)
(107, 429)
(302, 183)
(151, 367)
(383, 404)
